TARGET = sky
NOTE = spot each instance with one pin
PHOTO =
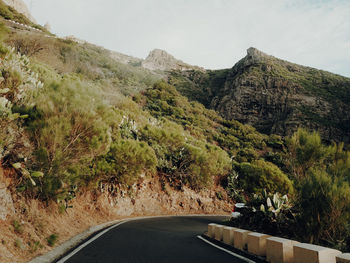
(209, 33)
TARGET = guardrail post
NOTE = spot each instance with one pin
(343, 258)
(240, 238)
(218, 232)
(279, 250)
(257, 243)
(307, 253)
(211, 230)
(227, 235)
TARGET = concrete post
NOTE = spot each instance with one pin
(227, 235)
(218, 232)
(343, 258)
(257, 243)
(279, 250)
(211, 230)
(240, 238)
(308, 253)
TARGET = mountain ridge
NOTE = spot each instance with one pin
(20, 7)
(273, 95)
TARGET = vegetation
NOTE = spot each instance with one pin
(320, 202)
(261, 175)
(52, 239)
(17, 227)
(283, 81)
(73, 118)
(10, 13)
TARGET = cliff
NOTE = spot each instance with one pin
(273, 95)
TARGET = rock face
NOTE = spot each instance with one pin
(277, 96)
(20, 7)
(125, 59)
(161, 60)
(47, 26)
(6, 202)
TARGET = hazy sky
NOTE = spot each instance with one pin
(209, 33)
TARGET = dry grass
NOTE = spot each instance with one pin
(38, 221)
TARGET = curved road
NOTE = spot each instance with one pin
(167, 239)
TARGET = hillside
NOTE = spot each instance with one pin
(20, 7)
(273, 95)
(89, 135)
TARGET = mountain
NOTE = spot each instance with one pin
(20, 7)
(273, 95)
(161, 60)
(89, 135)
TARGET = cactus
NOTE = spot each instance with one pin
(274, 204)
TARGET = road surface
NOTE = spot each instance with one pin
(163, 240)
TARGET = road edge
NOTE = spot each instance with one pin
(75, 241)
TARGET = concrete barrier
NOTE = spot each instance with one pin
(240, 238)
(308, 253)
(257, 243)
(218, 232)
(343, 258)
(227, 235)
(279, 250)
(211, 230)
(276, 250)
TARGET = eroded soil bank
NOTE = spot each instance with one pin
(27, 224)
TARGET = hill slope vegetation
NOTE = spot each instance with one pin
(74, 119)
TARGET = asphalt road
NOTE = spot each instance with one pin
(165, 240)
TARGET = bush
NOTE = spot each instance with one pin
(28, 44)
(185, 160)
(305, 150)
(52, 239)
(259, 175)
(324, 205)
(201, 163)
(125, 162)
(17, 85)
(70, 127)
(17, 227)
(268, 213)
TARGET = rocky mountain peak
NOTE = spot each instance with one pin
(254, 53)
(20, 7)
(160, 53)
(159, 59)
(253, 56)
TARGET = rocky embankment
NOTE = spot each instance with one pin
(26, 223)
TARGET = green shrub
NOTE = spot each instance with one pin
(185, 160)
(167, 140)
(324, 206)
(71, 126)
(17, 227)
(126, 161)
(259, 175)
(305, 150)
(52, 239)
(200, 163)
(5, 11)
